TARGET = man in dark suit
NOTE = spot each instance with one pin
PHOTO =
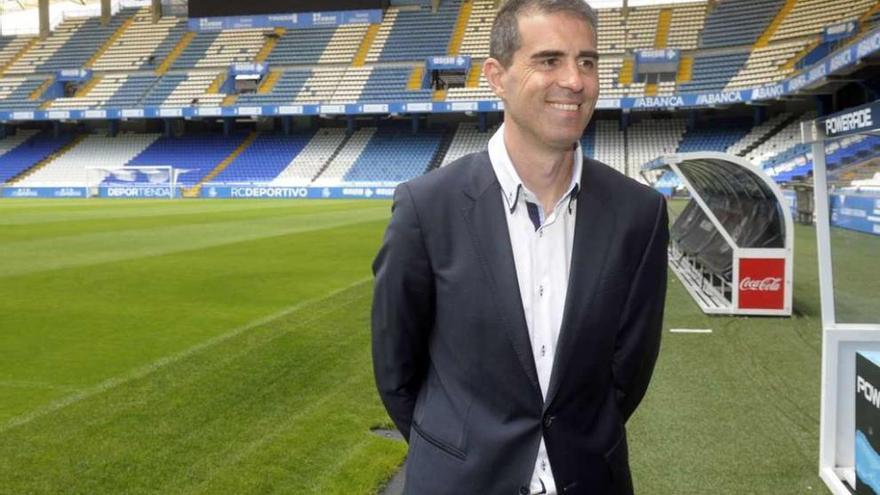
(519, 291)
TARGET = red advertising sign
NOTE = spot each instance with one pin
(761, 283)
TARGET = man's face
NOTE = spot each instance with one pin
(551, 86)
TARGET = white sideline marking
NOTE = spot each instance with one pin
(160, 363)
(690, 330)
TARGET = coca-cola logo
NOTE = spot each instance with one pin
(766, 284)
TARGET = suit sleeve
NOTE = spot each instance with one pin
(403, 311)
(638, 338)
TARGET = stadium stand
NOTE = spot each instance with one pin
(10, 47)
(612, 32)
(21, 93)
(116, 91)
(685, 26)
(610, 144)
(714, 72)
(264, 159)
(130, 57)
(758, 134)
(809, 17)
(71, 45)
(312, 159)
(479, 26)
(467, 139)
(649, 139)
(345, 157)
(69, 169)
(394, 155)
(715, 135)
(318, 45)
(197, 154)
(780, 141)
(301, 46)
(30, 154)
(221, 49)
(413, 32)
(143, 45)
(725, 27)
(174, 90)
(9, 143)
(389, 84)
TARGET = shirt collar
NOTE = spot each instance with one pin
(511, 184)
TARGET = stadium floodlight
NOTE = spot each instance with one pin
(133, 181)
(850, 315)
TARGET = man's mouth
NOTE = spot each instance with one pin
(569, 107)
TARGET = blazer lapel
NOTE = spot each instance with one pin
(592, 233)
(487, 224)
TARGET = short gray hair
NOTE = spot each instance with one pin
(505, 39)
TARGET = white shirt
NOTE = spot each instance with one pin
(542, 253)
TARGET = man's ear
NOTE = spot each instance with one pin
(493, 71)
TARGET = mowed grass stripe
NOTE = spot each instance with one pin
(140, 372)
(75, 327)
(282, 408)
(54, 252)
(108, 215)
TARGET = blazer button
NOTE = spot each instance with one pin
(524, 490)
(548, 420)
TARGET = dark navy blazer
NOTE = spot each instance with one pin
(451, 351)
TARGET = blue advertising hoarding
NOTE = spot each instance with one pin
(289, 192)
(300, 20)
(44, 192)
(856, 211)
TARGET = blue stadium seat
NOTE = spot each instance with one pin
(394, 156)
(264, 159)
(713, 72)
(738, 22)
(30, 152)
(199, 154)
(717, 135)
(418, 34)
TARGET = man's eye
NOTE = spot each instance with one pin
(587, 63)
(550, 62)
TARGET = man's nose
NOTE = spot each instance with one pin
(571, 77)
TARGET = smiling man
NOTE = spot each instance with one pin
(519, 291)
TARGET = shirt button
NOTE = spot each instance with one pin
(548, 421)
(524, 490)
(543, 350)
(541, 290)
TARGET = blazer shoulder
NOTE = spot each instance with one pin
(445, 183)
(620, 188)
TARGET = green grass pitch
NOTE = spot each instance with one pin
(223, 347)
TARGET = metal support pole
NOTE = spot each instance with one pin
(287, 124)
(156, 8)
(483, 123)
(415, 124)
(167, 123)
(114, 128)
(227, 126)
(350, 125)
(43, 7)
(106, 12)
